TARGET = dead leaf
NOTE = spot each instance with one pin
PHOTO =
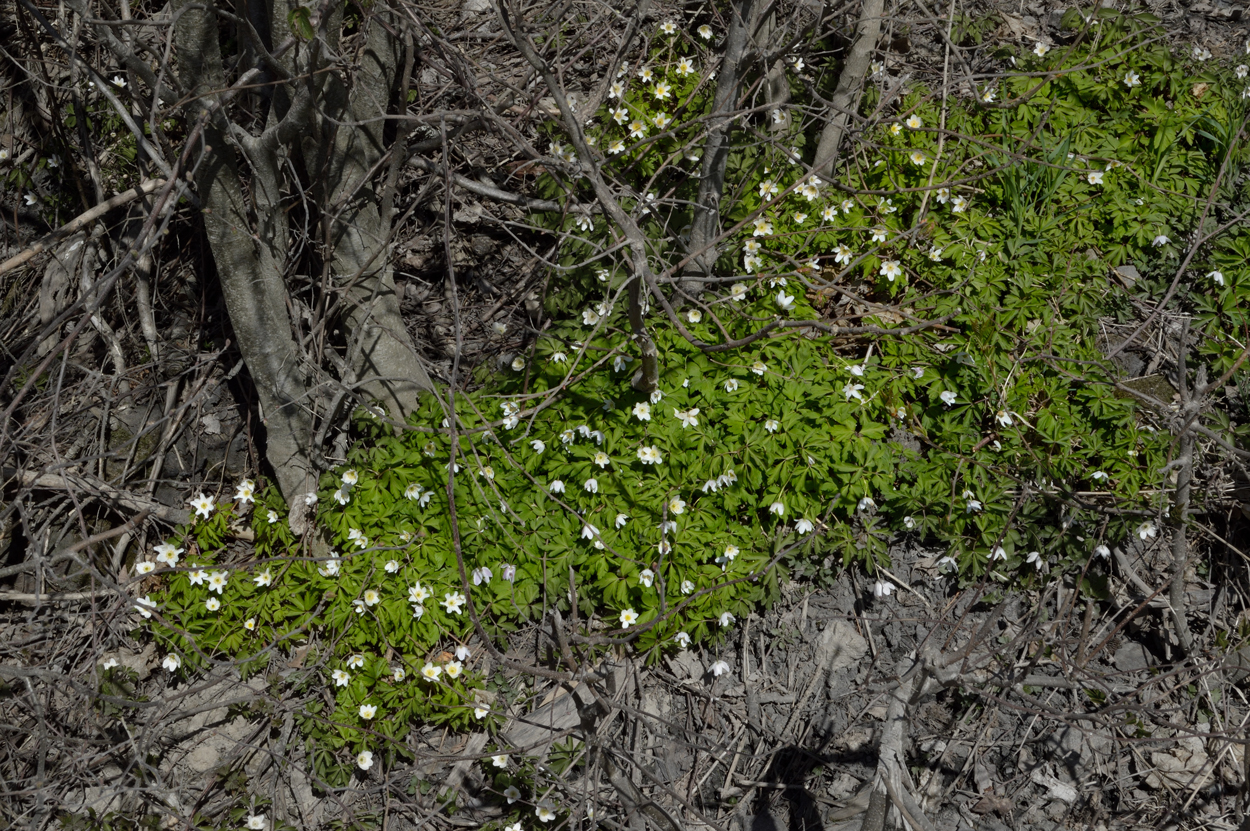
(1058, 790)
(1182, 766)
(981, 775)
(469, 213)
(297, 657)
(1200, 89)
(1013, 27)
(999, 804)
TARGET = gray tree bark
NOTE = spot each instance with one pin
(846, 95)
(329, 111)
(249, 257)
(342, 152)
(706, 225)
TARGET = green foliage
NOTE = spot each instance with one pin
(300, 21)
(661, 518)
(970, 30)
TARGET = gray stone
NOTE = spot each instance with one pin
(1133, 656)
(1127, 275)
(843, 644)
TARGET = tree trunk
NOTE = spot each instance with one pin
(249, 260)
(342, 153)
(706, 226)
(336, 127)
(846, 96)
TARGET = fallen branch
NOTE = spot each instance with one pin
(489, 191)
(1191, 406)
(36, 599)
(102, 490)
(81, 221)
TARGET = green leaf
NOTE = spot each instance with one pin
(300, 21)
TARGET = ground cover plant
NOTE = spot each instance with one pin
(909, 349)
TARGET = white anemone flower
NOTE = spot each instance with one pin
(246, 491)
(168, 554)
(453, 602)
(649, 455)
(688, 418)
(217, 581)
(203, 505)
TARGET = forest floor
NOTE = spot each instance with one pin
(1105, 729)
